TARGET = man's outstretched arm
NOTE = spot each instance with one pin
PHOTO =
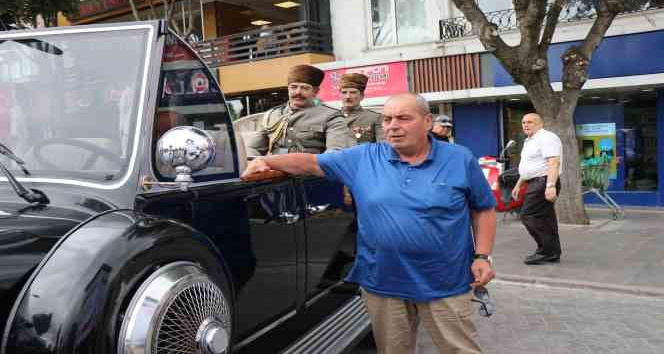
(294, 164)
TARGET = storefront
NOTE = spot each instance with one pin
(619, 127)
(619, 117)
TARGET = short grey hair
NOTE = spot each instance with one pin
(420, 102)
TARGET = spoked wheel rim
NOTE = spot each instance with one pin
(179, 309)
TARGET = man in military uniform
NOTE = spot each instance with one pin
(298, 125)
(364, 126)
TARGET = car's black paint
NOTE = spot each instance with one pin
(69, 268)
(72, 302)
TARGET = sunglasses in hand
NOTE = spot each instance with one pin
(482, 297)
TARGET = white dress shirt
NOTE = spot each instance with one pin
(536, 150)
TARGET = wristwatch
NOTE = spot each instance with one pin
(483, 256)
(550, 185)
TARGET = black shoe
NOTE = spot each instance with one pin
(543, 258)
(537, 253)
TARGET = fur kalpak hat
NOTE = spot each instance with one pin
(353, 80)
(307, 74)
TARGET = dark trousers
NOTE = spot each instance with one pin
(539, 217)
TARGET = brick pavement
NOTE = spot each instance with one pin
(622, 258)
(547, 320)
(534, 319)
(625, 253)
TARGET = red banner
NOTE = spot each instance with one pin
(384, 80)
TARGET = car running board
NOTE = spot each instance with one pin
(338, 333)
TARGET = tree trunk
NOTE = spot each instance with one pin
(557, 109)
(569, 206)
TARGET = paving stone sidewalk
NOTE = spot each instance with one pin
(605, 296)
(547, 320)
(625, 254)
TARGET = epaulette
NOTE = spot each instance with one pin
(329, 107)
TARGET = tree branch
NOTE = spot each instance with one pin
(550, 26)
(153, 13)
(168, 15)
(134, 10)
(486, 32)
(605, 16)
(530, 15)
(190, 27)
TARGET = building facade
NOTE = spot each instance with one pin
(250, 44)
(426, 46)
(620, 113)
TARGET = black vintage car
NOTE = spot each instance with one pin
(124, 227)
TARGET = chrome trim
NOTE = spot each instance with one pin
(322, 294)
(211, 337)
(150, 318)
(336, 333)
(49, 217)
(264, 330)
(141, 103)
(196, 184)
(184, 149)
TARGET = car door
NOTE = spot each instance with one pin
(252, 225)
(330, 234)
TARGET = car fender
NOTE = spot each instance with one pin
(75, 299)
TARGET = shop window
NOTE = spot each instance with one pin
(639, 137)
(396, 22)
(619, 128)
(513, 113)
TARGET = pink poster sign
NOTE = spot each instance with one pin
(384, 80)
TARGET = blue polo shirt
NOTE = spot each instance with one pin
(414, 226)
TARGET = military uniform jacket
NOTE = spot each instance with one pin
(312, 130)
(364, 126)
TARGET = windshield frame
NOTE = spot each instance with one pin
(142, 104)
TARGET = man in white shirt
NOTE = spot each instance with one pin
(540, 167)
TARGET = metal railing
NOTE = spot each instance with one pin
(459, 27)
(266, 43)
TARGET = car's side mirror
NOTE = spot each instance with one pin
(184, 149)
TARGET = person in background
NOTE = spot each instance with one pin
(364, 126)
(442, 128)
(540, 167)
(417, 200)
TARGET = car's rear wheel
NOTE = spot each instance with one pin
(177, 309)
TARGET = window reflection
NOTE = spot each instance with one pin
(59, 98)
(401, 22)
(639, 137)
(191, 97)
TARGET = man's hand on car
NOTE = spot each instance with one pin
(255, 166)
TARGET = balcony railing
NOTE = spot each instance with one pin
(267, 43)
(459, 27)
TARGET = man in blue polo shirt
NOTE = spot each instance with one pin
(417, 199)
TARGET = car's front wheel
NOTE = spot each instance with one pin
(177, 309)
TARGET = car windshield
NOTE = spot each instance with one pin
(69, 102)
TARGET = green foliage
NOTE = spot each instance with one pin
(26, 11)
